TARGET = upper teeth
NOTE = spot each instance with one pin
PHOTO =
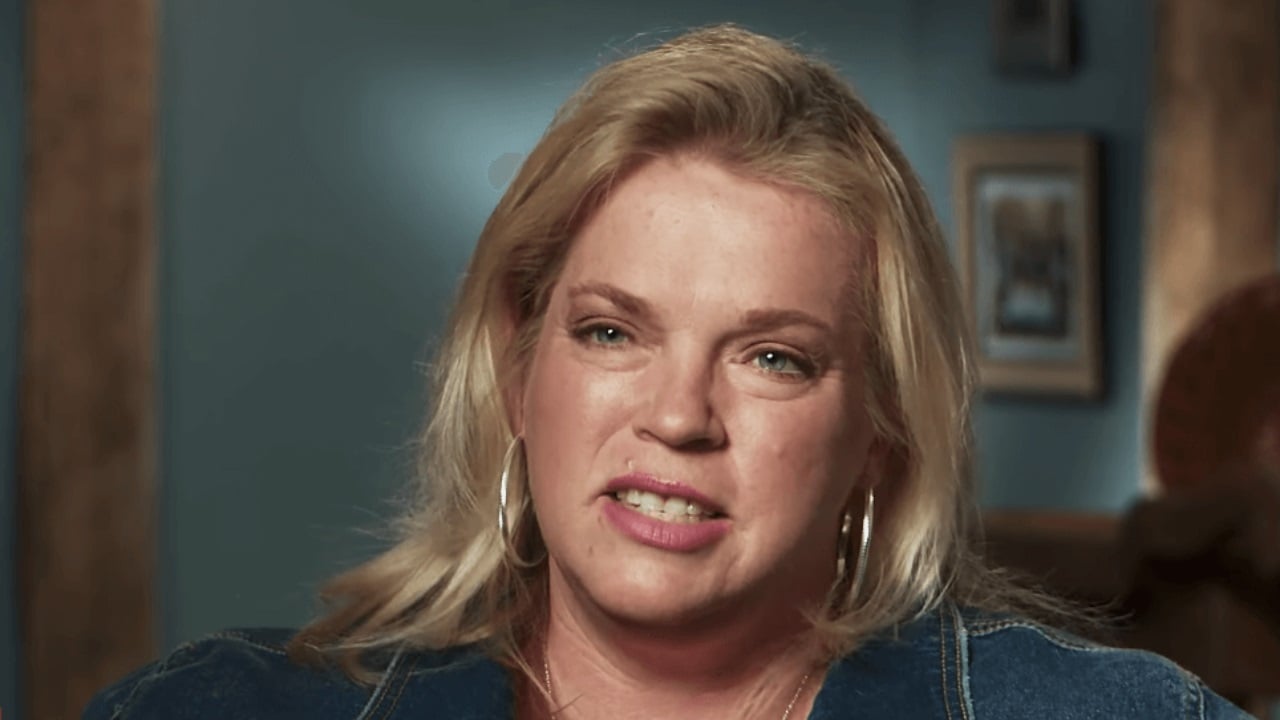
(655, 504)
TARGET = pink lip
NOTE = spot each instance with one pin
(676, 537)
(671, 536)
(649, 483)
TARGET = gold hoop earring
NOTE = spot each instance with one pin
(864, 546)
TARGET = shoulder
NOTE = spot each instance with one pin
(247, 674)
(1020, 668)
(953, 663)
(228, 674)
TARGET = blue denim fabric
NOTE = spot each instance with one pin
(949, 665)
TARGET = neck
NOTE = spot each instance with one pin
(604, 667)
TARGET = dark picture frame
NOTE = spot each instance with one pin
(1032, 37)
(1026, 209)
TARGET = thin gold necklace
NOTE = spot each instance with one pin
(795, 696)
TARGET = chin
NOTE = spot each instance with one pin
(656, 612)
(654, 595)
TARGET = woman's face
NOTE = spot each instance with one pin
(693, 414)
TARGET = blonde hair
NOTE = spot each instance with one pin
(766, 111)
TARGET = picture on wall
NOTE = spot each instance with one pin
(1026, 226)
(1032, 37)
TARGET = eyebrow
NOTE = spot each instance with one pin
(755, 320)
(624, 300)
(771, 319)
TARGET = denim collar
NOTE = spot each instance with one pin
(918, 671)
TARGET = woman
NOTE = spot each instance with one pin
(700, 449)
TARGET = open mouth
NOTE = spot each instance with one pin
(664, 507)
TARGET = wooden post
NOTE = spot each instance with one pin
(1213, 168)
(86, 482)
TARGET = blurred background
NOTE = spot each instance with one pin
(321, 170)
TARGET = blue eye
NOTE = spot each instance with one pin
(603, 335)
(774, 361)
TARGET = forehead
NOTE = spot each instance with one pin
(686, 226)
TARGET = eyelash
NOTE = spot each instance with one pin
(805, 368)
(587, 335)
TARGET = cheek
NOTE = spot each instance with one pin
(814, 451)
(562, 396)
(569, 412)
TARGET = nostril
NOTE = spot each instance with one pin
(681, 411)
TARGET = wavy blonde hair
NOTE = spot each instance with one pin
(768, 112)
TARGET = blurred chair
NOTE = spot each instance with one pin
(1193, 573)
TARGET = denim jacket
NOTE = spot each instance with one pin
(949, 665)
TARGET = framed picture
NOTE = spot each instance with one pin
(1032, 37)
(1026, 209)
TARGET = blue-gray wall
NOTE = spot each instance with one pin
(326, 168)
(1037, 453)
(10, 296)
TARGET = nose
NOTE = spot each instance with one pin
(680, 408)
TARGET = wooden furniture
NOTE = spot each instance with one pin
(1195, 617)
(1212, 175)
(86, 479)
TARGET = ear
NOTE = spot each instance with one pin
(877, 466)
